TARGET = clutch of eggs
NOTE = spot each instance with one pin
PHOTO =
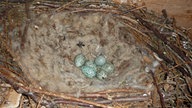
(99, 68)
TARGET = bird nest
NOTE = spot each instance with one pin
(151, 56)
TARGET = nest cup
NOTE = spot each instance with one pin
(52, 44)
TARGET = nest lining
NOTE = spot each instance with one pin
(51, 46)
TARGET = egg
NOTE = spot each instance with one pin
(80, 60)
(100, 60)
(88, 71)
(101, 74)
(108, 68)
(91, 64)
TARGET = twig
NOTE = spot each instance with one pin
(40, 101)
(119, 90)
(62, 101)
(17, 77)
(104, 94)
(158, 90)
(7, 74)
(66, 5)
(123, 99)
(23, 38)
(180, 54)
(14, 1)
(47, 5)
(21, 102)
(166, 59)
(29, 91)
(126, 99)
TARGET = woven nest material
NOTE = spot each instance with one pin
(52, 44)
(152, 57)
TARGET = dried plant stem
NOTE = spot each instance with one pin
(126, 99)
(158, 90)
(174, 49)
(40, 101)
(105, 93)
(27, 90)
(120, 99)
(66, 5)
(67, 98)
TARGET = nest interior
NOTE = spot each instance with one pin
(52, 44)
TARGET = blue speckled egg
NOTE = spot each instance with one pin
(79, 60)
(101, 74)
(108, 68)
(90, 63)
(100, 60)
(88, 71)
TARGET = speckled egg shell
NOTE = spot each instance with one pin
(79, 60)
(88, 71)
(100, 60)
(91, 63)
(108, 68)
(101, 75)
